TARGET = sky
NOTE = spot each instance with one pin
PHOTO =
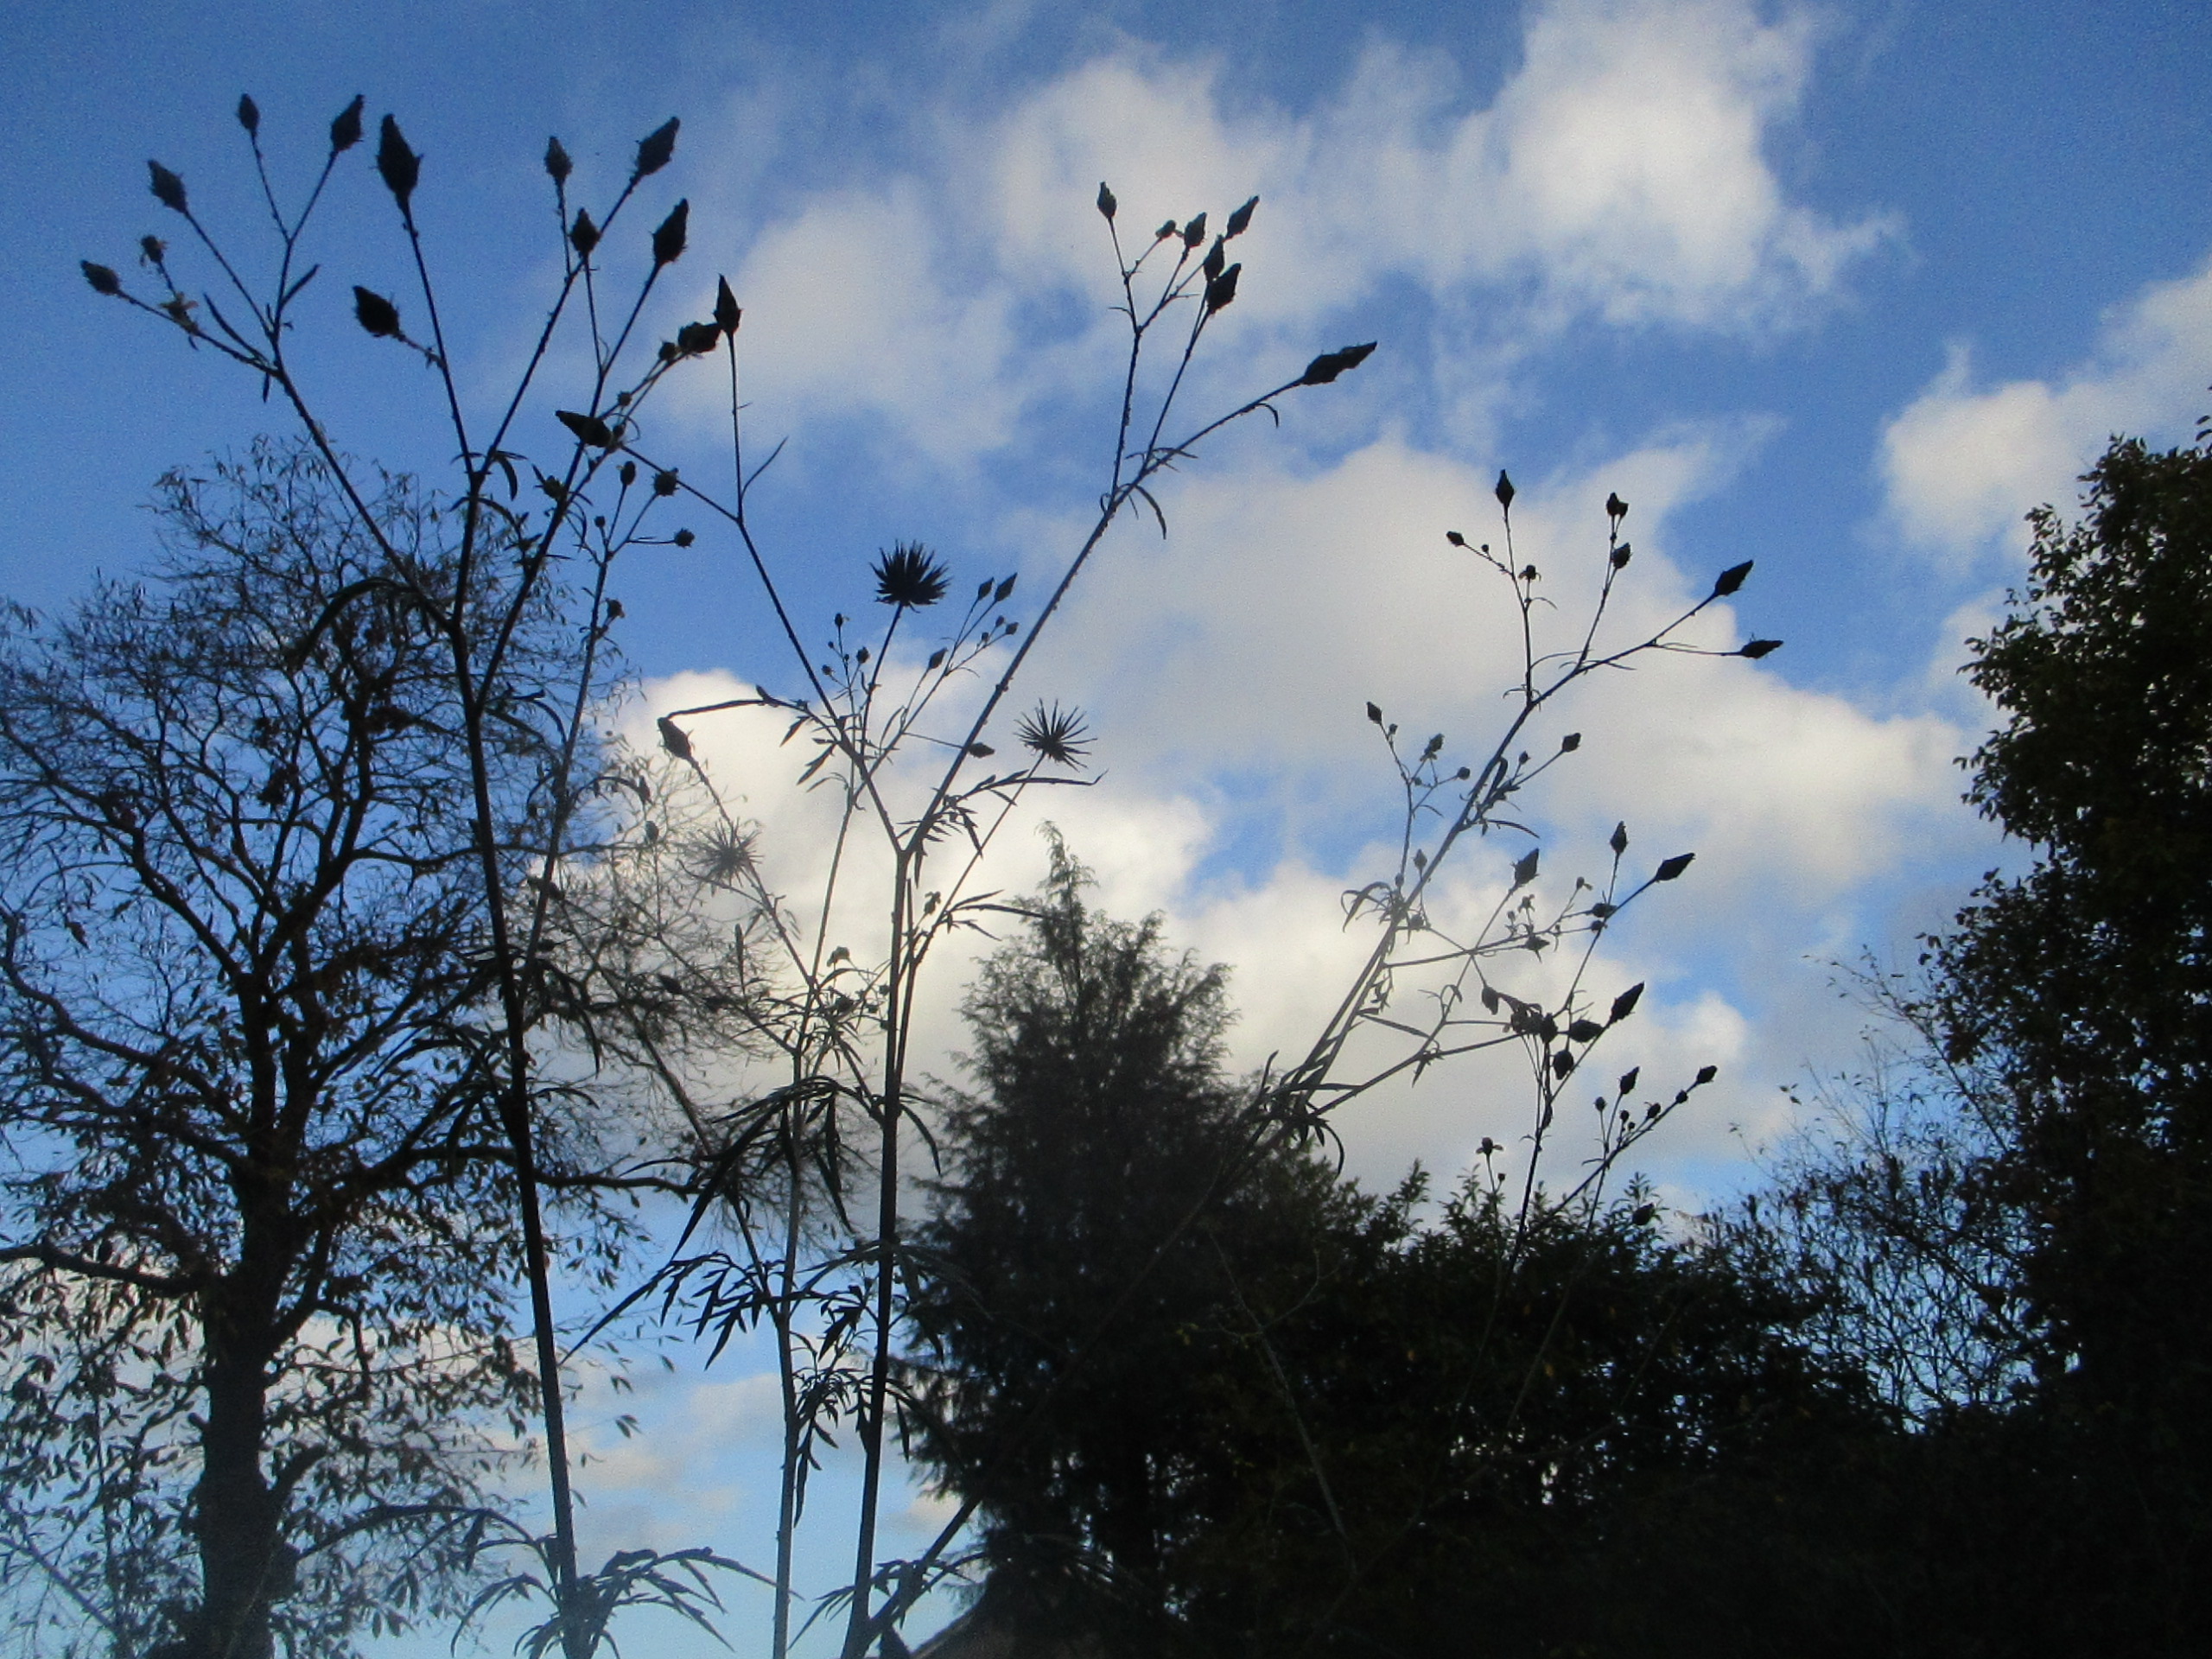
(1843, 289)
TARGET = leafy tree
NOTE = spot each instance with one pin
(1498, 1421)
(1065, 1302)
(1205, 1392)
(2084, 987)
(2087, 983)
(2014, 1223)
(258, 1253)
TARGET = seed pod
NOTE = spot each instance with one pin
(346, 127)
(655, 149)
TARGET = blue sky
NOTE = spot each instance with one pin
(1845, 288)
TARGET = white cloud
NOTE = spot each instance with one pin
(1226, 670)
(1621, 173)
(1963, 464)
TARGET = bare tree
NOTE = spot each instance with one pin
(498, 588)
(256, 1193)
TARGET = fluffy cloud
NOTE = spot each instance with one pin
(1225, 671)
(1963, 463)
(1620, 173)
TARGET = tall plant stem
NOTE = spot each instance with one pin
(891, 1105)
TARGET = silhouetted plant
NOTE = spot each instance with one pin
(594, 966)
(495, 588)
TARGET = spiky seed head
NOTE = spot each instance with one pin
(909, 576)
(1056, 734)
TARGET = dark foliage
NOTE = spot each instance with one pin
(2084, 989)
(1215, 1397)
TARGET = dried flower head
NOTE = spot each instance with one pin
(909, 576)
(725, 855)
(1056, 734)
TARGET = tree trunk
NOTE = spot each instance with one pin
(245, 1566)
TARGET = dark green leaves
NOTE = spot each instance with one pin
(1730, 579)
(376, 313)
(669, 238)
(655, 149)
(1327, 366)
(169, 189)
(345, 127)
(397, 165)
(1670, 868)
